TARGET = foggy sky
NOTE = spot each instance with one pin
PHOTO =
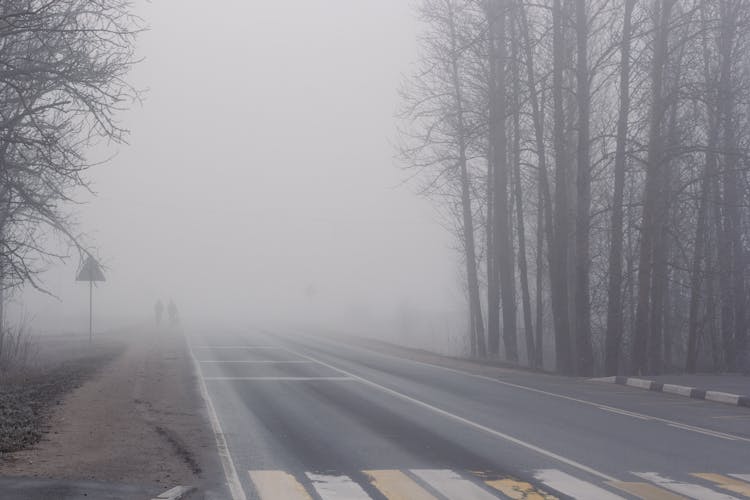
(260, 180)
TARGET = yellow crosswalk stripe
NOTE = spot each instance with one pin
(518, 490)
(276, 484)
(727, 483)
(645, 491)
(395, 485)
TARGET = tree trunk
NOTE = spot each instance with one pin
(584, 349)
(475, 306)
(503, 252)
(654, 171)
(614, 298)
(522, 263)
(559, 249)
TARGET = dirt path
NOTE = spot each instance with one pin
(140, 420)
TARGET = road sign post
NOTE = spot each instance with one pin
(90, 271)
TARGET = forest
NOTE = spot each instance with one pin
(591, 158)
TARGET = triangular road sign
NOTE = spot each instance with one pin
(90, 271)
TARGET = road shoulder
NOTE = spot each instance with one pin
(140, 421)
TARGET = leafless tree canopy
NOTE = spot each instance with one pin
(63, 65)
(593, 159)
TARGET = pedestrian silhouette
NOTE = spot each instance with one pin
(174, 317)
(159, 311)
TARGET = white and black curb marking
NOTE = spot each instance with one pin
(681, 390)
(176, 493)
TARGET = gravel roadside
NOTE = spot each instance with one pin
(138, 419)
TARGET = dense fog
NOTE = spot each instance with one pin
(259, 184)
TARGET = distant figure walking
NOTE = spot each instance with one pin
(159, 311)
(174, 317)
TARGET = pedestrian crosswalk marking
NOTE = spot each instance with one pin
(572, 486)
(395, 485)
(277, 484)
(449, 484)
(518, 490)
(337, 487)
(690, 490)
(427, 484)
(645, 491)
(727, 483)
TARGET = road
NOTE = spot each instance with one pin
(303, 417)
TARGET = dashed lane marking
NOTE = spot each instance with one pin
(690, 490)
(572, 486)
(645, 491)
(272, 484)
(451, 485)
(727, 483)
(237, 347)
(337, 487)
(641, 416)
(463, 420)
(395, 485)
(279, 378)
(256, 362)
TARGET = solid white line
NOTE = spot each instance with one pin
(236, 347)
(451, 485)
(572, 486)
(259, 362)
(278, 378)
(227, 463)
(337, 487)
(742, 477)
(463, 420)
(623, 412)
(704, 431)
(690, 490)
(529, 389)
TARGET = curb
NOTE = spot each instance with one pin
(680, 390)
(176, 493)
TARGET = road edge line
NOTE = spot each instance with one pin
(222, 448)
(465, 421)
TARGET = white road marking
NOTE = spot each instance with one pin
(623, 412)
(690, 490)
(572, 486)
(463, 420)
(704, 431)
(236, 347)
(278, 378)
(256, 362)
(337, 487)
(743, 477)
(451, 485)
(532, 389)
(227, 463)
(276, 484)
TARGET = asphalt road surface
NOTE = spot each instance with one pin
(306, 417)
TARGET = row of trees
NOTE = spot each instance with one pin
(62, 80)
(592, 158)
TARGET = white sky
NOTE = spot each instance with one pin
(260, 164)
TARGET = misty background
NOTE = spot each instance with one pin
(260, 185)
